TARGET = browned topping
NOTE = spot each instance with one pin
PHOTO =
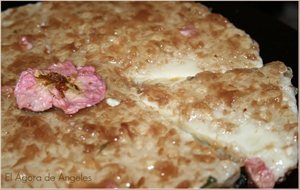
(89, 128)
(183, 160)
(184, 184)
(69, 139)
(274, 95)
(26, 61)
(156, 129)
(142, 16)
(114, 48)
(206, 76)
(108, 133)
(201, 105)
(129, 130)
(106, 183)
(290, 126)
(7, 90)
(171, 137)
(225, 125)
(171, 133)
(28, 154)
(32, 128)
(254, 103)
(25, 42)
(262, 116)
(53, 23)
(10, 82)
(234, 42)
(90, 162)
(197, 45)
(198, 147)
(251, 56)
(44, 134)
(229, 94)
(157, 94)
(140, 182)
(217, 19)
(204, 158)
(88, 148)
(71, 47)
(48, 159)
(20, 45)
(166, 169)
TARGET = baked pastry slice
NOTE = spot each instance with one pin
(115, 143)
(250, 112)
(141, 39)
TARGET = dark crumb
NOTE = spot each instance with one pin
(242, 182)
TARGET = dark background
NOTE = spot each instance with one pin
(274, 25)
(271, 24)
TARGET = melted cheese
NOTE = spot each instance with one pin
(176, 68)
(253, 140)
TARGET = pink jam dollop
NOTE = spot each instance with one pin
(61, 85)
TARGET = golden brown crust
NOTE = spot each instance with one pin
(133, 36)
(224, 108)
